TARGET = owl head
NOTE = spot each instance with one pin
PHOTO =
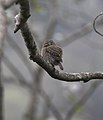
(48, 43)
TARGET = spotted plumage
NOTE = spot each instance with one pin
(52, 53)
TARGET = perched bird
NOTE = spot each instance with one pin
(52, 53)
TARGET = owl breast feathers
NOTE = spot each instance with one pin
(53, 54)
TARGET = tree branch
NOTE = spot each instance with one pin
(94, 24)
(23, 15)
(36, 57)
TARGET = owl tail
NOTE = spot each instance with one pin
(61, 67)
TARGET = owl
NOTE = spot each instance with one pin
(52, 53)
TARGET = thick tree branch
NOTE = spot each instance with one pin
(69, 77)
(36, 57)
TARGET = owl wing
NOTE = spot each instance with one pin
(56, 52)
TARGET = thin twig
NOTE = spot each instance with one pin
(94, 24)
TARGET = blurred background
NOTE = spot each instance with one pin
(29, 92)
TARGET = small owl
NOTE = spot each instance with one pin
(52, 53)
